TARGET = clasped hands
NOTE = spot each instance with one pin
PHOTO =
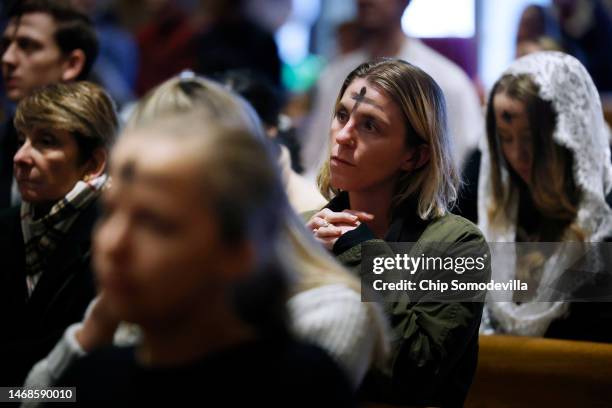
(327, 225)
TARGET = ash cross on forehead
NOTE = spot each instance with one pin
(507, 116)
(358, 98)
(127, 173)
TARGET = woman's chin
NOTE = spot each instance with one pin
(38, 198)
(525, 177)
(338, 187)
(32, 197)
(122, 308)
(340, 183)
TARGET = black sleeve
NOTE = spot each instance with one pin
(353, 238)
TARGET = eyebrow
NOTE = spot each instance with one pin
(11, 29)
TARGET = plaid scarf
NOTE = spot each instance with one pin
(42, 236)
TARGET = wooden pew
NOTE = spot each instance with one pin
(606, 103)
(533, 372)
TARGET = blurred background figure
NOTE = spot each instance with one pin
(116, 67)
(166, 38)
(206, 36)
(539, 44)
(232, 40)
(349, 37)
(532, 24)
(582, 28)
(267, 101)
(531, 35)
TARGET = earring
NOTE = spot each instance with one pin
(86, 178)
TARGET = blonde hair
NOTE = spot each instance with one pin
(237, 175)
(189, 91)
(552, 188)
(82, 109)
(423, 107)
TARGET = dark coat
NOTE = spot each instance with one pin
(435, 345)
(8, 148)
(32, 327)
(269, 373)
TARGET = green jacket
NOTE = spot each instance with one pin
(435, 345)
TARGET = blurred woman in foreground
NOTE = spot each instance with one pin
(324, 302)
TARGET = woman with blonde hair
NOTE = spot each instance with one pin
(64, 133)
(324, 304)
(191, 249)
(391, 178)
(544, 176)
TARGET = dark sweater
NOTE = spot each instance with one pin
(435, 344)
(257, 373)
(8, 148)
(32, 326)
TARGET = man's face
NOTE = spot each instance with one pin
(30, 56)
(378, 14)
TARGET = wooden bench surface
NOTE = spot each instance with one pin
(523, 371)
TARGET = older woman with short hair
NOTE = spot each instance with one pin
(64, 132)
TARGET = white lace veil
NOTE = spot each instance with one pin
(581, 128)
